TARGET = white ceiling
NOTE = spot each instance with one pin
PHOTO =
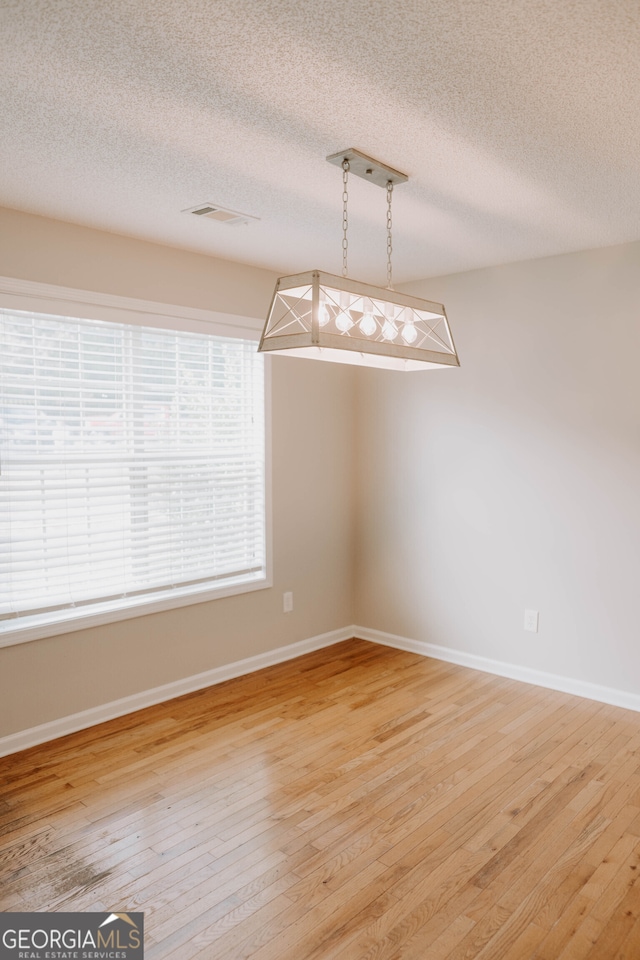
(517, 121)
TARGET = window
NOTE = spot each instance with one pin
(132, 472)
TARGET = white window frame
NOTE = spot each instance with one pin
(82, 304)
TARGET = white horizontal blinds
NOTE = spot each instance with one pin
(132, 461)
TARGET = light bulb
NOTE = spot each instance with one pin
(409, 333)
(344, 321)
(389, 330)
(323, 314)
(368, 324)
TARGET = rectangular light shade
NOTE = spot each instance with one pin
(324, 317)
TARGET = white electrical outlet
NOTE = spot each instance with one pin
(287, 602)
(531, 620)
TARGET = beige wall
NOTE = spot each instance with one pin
(473, 493)
(513, 482)
(49, 251)
(312, 492)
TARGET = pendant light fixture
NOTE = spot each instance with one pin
(326, 317)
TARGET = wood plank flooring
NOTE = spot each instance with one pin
(359, 803)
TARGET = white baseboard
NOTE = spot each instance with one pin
(168, 691)
(579, 688)
(147, 698)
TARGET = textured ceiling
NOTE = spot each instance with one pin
(517, 121)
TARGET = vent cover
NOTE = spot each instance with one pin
(213, 211)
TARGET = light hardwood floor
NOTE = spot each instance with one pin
(359, 802)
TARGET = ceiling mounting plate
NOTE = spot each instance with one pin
(367, 168)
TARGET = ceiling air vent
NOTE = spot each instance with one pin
(213, 211)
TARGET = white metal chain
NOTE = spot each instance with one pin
(345, 217)
(389, 245)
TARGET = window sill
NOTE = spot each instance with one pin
(39, 626)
